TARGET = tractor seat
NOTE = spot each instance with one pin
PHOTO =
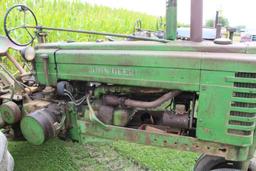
(5, 44)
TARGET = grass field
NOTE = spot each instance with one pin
(97, 154)
(57, 155)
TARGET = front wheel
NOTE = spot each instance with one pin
(6, 160)
(213, 163)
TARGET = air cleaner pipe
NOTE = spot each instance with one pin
(171, 19)
(196, 21)
(114, 101)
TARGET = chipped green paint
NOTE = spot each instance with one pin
(167, 141)
(218, 74)
(74, 128)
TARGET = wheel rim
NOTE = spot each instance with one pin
(9, 31)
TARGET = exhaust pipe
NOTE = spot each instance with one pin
(196, 21)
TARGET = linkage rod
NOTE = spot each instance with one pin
(99, 33)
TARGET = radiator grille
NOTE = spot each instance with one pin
(244, 105)
(244, 95)
(245, 75)
(238, 132)
(245, 85)
(253, 37)
(242, 115)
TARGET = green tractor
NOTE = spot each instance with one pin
(154, 90)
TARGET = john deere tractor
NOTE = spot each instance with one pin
(147, 88)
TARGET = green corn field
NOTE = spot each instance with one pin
(57, 155)
(77, 15)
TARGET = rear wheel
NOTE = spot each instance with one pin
(6, 160)
(252, 166)
(213, 163)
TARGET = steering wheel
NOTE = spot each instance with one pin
(18, 22)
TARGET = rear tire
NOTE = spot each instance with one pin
(252, 166)
(6, 160)
(213, 163)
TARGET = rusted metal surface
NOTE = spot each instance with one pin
(16, 64)
(10, 112)
(180, 109)
(216, 19)
(2, 123)
(147, 90)
(42, 37)
(217, 25)
(105, 114)
(46, 120)
(114, 101)
(196, 21)
(111, 100)
(168, 140)
(218, 31)
(152, 128)
(34, 105)
(42, 124)
(48, 92)
(175, 120)
(152, 104)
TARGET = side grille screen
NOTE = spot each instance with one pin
(253, 37)
(242, 116)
